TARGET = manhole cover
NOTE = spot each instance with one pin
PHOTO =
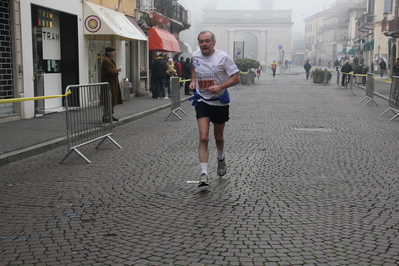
(314, 129)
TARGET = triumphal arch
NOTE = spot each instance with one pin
(265, 34)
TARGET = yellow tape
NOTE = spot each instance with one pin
(33, 98)
(183, 80)
(386, 81)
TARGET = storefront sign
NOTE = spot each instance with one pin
(44, 18)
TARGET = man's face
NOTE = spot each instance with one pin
(112, 54)
(207, 45)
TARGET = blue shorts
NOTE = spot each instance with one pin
(217, 114)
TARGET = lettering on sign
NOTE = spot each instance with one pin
(44, 18)
(51, 36)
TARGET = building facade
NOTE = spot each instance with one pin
(48, 45)
(265, 35)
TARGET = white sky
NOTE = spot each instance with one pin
(300, 8)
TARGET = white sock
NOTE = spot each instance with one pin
(204, 168)
(220, 155)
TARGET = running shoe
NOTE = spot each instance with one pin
(203, 180)
(222, 168)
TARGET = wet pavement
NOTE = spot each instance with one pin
(312, 180)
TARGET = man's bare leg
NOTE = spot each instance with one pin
(203, 151)
(219, 138)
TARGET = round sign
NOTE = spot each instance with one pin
(92, 23)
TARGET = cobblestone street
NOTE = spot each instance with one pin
(312, 180)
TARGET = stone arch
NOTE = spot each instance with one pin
(251, 44)
(272, 29)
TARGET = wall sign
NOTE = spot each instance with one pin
(44, 18)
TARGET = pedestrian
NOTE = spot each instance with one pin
(258, 71)
(307, 68)
(319, 61)
(346, 69)
(395, 68)
(182, 63)
(383, 67)
(179, 70)
(187, 76)
(152, 85)
(159, 74)
(364, 72)
(337, 64)
(171, 72)
(211, 98)
(356, 61)
(109, 73)
(273, 67)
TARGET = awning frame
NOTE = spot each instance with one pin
(99, 20)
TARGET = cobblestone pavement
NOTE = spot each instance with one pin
(312, 180)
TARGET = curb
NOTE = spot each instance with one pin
(36, 149)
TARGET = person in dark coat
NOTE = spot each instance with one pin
(383, 67)
(109, 73)
(337, 64)
(395, 72)
(182, 63)
(158, 75)
(187, 76)
(395, 68)
(307, 68)
(346, 68)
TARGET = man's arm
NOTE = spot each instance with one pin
(233, 80)
(193, 79)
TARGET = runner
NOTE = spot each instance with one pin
(213, 71)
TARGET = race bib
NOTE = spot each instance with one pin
(204, 81)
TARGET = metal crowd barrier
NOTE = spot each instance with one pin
(350, 89)
(325, 78)
(337, 86)
(88, 116)
(393, 98)
(175, 98)
(239, 85)
(370, 84)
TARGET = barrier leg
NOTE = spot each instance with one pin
(78, 152)
(337, 86)
(350, 91)
(396, 112)
(174, 112)
(370, 100)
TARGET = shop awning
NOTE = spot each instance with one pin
(99, 20)
(162, 40)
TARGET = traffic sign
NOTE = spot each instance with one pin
(280, 46)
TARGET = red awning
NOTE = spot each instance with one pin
(163, 41)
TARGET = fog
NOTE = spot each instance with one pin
(301, 9)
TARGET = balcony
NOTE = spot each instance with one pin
(365, 23)
(167, 8)
(390, 27)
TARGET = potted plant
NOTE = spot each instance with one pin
(318, 75)
(246, 65)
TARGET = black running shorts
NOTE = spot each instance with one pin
(217, 114)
